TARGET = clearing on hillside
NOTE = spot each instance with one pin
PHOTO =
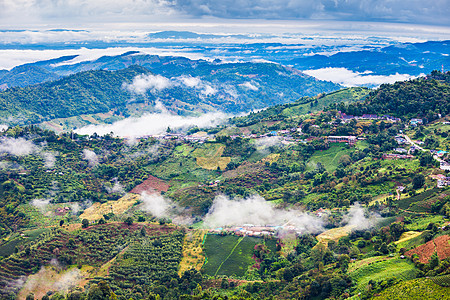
(441, 245)
(97, 210)
(231, 255)
(211, 158)
(422, 288)
(151, 185)
(382, 270)
(193, 256)
(328, 158)
(333, 234)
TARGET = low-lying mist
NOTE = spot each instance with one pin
(256, 210)
(154, 123)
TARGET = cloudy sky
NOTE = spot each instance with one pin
(76, 12)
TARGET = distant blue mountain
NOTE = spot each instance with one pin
(408, 58)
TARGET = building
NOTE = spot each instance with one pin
(351, 140)
(397, 156)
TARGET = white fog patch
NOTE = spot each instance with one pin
(91, 157)
(157, 205)
(248, 85)
(75, 208)
(49, 159)
(151, 124)
(359, 218)
(262, 144)
(256, 210)
(41, 204)
(349, 78)
(163, 207)
(190, 81)
(142, 83)
(116, 188)
(19, 146)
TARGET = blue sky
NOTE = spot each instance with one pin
(73, 12)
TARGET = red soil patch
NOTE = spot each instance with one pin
(151, 185)
(440, 245)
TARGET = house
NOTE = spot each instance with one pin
(415, 122)
(369, 116)
(443, 182)
(401, 150)
(444, 166)
(351, 140)
(400, 140)
(397, 156)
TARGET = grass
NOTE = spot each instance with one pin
(193, 256)
(406, 236)
(333, 234)
(97, 210)
(406, 203)
(422, 288)
(422, 222)
(230, 255)
(328, 158)
(381, 270)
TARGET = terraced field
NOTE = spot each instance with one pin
(422, 288)
(231, 255)
(381, 270)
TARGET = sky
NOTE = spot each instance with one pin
(75, 12)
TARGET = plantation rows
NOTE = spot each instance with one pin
(147, 261)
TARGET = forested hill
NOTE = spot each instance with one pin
(82, 93)
(424, 97)
(183, 89)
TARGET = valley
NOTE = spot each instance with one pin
(335, 195)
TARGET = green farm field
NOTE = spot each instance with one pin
(328, 158)
(377, 270)
(231, 255)
(422, 288)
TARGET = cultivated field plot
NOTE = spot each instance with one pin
(408, 238)
(151, 185)
(193, 256)
(441, 245)
(231, 255)
(382, 270)
(422, 288)
(97, 210)
(333, 234)
(210, 158)
(328, 158)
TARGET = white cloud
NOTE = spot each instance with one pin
(19, 146)
(151, 124)
(41, 204)
(116, 188)
(190, 81)
(157, 205)
(49, 159)
(249, 85)
(349, 78)
(142, 83)
(256, 210)
(359, 218)
(91, 157)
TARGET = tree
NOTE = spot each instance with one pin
(85, 223)
(418, 181)
(129, 221)
(434, 261)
